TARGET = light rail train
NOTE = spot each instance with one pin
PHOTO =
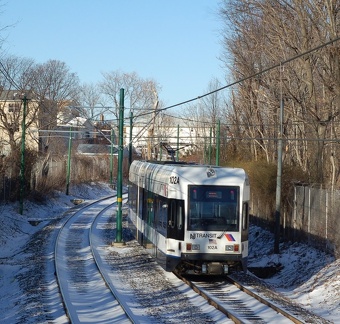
(193, 218)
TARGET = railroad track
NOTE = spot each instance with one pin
(243, 305)
(84, 291)
(101, 285)
(98, 284)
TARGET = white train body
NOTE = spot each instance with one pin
(193, 218)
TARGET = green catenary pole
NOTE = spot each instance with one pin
(22, 165)
(210, 139)
(120, 169)
(130, 141)
(177, 152)
(111, 157)
(205, 150)
(218, 143)
(69, 162)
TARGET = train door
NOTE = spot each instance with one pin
(244, 235)
(245, 222)
(175, 228)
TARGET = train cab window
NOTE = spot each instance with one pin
(213, 208)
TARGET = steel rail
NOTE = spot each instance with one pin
(264, 301)
(231, 313)
(69, 310)
(106, 278)
(69, 214)
(219, 307)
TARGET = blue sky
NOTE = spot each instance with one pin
(174, 42)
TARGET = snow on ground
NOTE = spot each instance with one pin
(308, 276)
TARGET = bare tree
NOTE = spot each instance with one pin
(140, 99)
(212, 106)
(91, 101)
(193, 119)
(139, 94)
(205, 114)
(15, 84)
(263, 33)
(56, 88)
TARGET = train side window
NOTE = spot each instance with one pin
(172, 217)
(245, 216)
(151, 209)
(180, 211)
(143, 205)
(161, 214)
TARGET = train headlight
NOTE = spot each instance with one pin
(229, 248)
(225, 268)
(204, 268)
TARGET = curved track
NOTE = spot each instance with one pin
(85, 294)
(101, 283)
(97, 291)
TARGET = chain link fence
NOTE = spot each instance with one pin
(316, 217)
(310, 215)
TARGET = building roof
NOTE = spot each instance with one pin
(15, 94)
(96, 149)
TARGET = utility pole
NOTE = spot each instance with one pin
(218, 143)
(22, 164)
(279, 177)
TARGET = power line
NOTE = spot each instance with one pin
(10, 79)
(256, 74)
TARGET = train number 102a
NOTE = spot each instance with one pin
(174, 180)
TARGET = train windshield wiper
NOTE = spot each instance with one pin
(220, 236)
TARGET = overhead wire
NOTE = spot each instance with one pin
(254, 75)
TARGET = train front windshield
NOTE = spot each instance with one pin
(213, 208)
